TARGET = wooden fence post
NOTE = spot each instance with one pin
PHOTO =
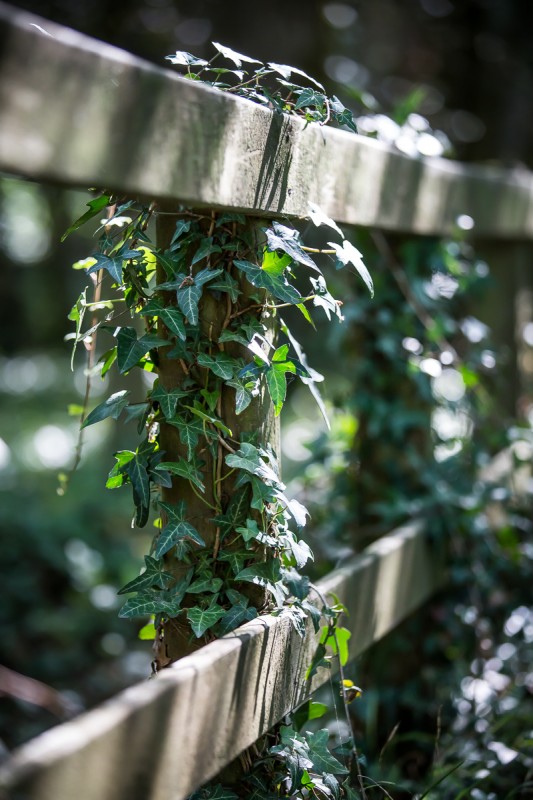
(257, 421)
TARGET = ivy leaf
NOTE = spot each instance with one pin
(323, 760)
(314, 376)
(319, 218)
(286, 72)
(341, 114)
(174, 532)
(201, 619)
(186, 59)
(112, 407)
(95, 207)
(235, 559)
(138, 475)
(348, 254)
(130, 349)
(243, 396)
(114, 264)
(251, 531)
(189, 432)
(237, 615)
(206, 248)
(185, 469)
(222, 364)
(277, 285)
(167, 399)
(198, 412)
(261, 574)
(323, 299)
(207, 583)
(277, 386)
(232, 55)
(226, 284)
(309, 97)
(281, 237)
(154, 575)
(188, 298)
(248, 458)
(174, 321)
(274, 263)
(146, 603)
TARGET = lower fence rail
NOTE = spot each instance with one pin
(165, 737)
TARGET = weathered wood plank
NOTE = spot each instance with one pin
(79, 112)
(165, 737)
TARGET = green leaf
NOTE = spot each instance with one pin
(185, 469)
(281, 237)
(237, 615)
(167, 399)
(222, 364)
(154, 575)
(95, 207)
(235, 559)
(189, 432)
(323, 760)
(262, 573)
(226, 284)
(76, 314)
(174, 532)
(251, 531)
(201, 619)
(277, 387)
(198, 412)
(114, 264)
(317, 710)
(147, 632)
(340, 637)
(129, 349)
(188, 298)
(112, 407)
(204, 584)
(274, 263)
(348, 254)
(310, 97)
(146, 603)
(138, 475)
(277, 285)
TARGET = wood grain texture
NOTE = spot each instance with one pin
(79, 112)
(165, 737)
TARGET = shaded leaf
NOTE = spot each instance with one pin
(112, 407)
(277, 285)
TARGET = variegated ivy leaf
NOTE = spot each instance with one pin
(277, 285)
(348, 254)
(319, 218)
(167, 398)
(201, 619)
(232, 55)
(153, 575)
(281, 237)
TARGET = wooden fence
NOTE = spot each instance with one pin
(77, 112)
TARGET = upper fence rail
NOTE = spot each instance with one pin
(78, 112)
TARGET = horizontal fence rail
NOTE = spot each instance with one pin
(165, 737)
(79, 112)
